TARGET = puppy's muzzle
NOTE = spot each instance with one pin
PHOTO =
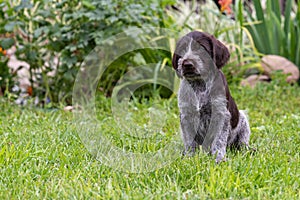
(188, 68)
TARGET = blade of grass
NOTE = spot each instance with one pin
(287, 13)
(292, 37)
(256, 39)
(261, 29)
(286, 27)
(297, 30)
(238, 51)
(269, 28)
(278, 35)
(240, 17)
(276, 9)
(157, 67)
(251, 41)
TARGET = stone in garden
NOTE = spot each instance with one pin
(68, 108)
(19, 67)
(272, 63)
(254, 79)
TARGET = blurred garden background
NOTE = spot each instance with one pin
(43, 43)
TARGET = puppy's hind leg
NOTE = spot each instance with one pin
(243, 132)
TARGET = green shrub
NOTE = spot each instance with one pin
(6, 75)
(276, 34)
(56, 36)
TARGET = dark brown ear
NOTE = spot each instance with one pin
(221, 53)
(175, 61)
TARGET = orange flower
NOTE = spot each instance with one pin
(3, 51)
(29, 90)
(225, 6)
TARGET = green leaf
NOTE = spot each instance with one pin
(287, 18)
(240, 15)
(39, 31)
(261, 29)
(276, 9)
(278, 34)
(6, 43)
(88, 5)
(259, 10)
(9, 27)
(25, 4)
(68, 76)
(45, 13)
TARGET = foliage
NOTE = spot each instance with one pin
(55, 37)
(276, 34)
(41, 148)
(6, 75)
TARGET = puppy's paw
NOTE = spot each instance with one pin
(190, 150)
(220, 155)
(220, 159)
(188, 153)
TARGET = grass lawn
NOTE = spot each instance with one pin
(42, 156)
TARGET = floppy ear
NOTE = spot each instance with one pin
(175, 61)
(176, 57)
(220, 52)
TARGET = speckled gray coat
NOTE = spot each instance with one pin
(208, 114)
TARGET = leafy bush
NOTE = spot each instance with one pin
(54, 37)
(274, 34)
(6, 76)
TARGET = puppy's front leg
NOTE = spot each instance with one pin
(220, 143)
(188, 131)
(215, 141)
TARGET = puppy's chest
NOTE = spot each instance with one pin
(198, 111)
(197, 104)
(194, 100)
(204, 113)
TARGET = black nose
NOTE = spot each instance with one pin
(187, 64)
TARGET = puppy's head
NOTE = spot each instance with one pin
(195, 51)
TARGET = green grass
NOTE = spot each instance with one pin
(42, 156)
